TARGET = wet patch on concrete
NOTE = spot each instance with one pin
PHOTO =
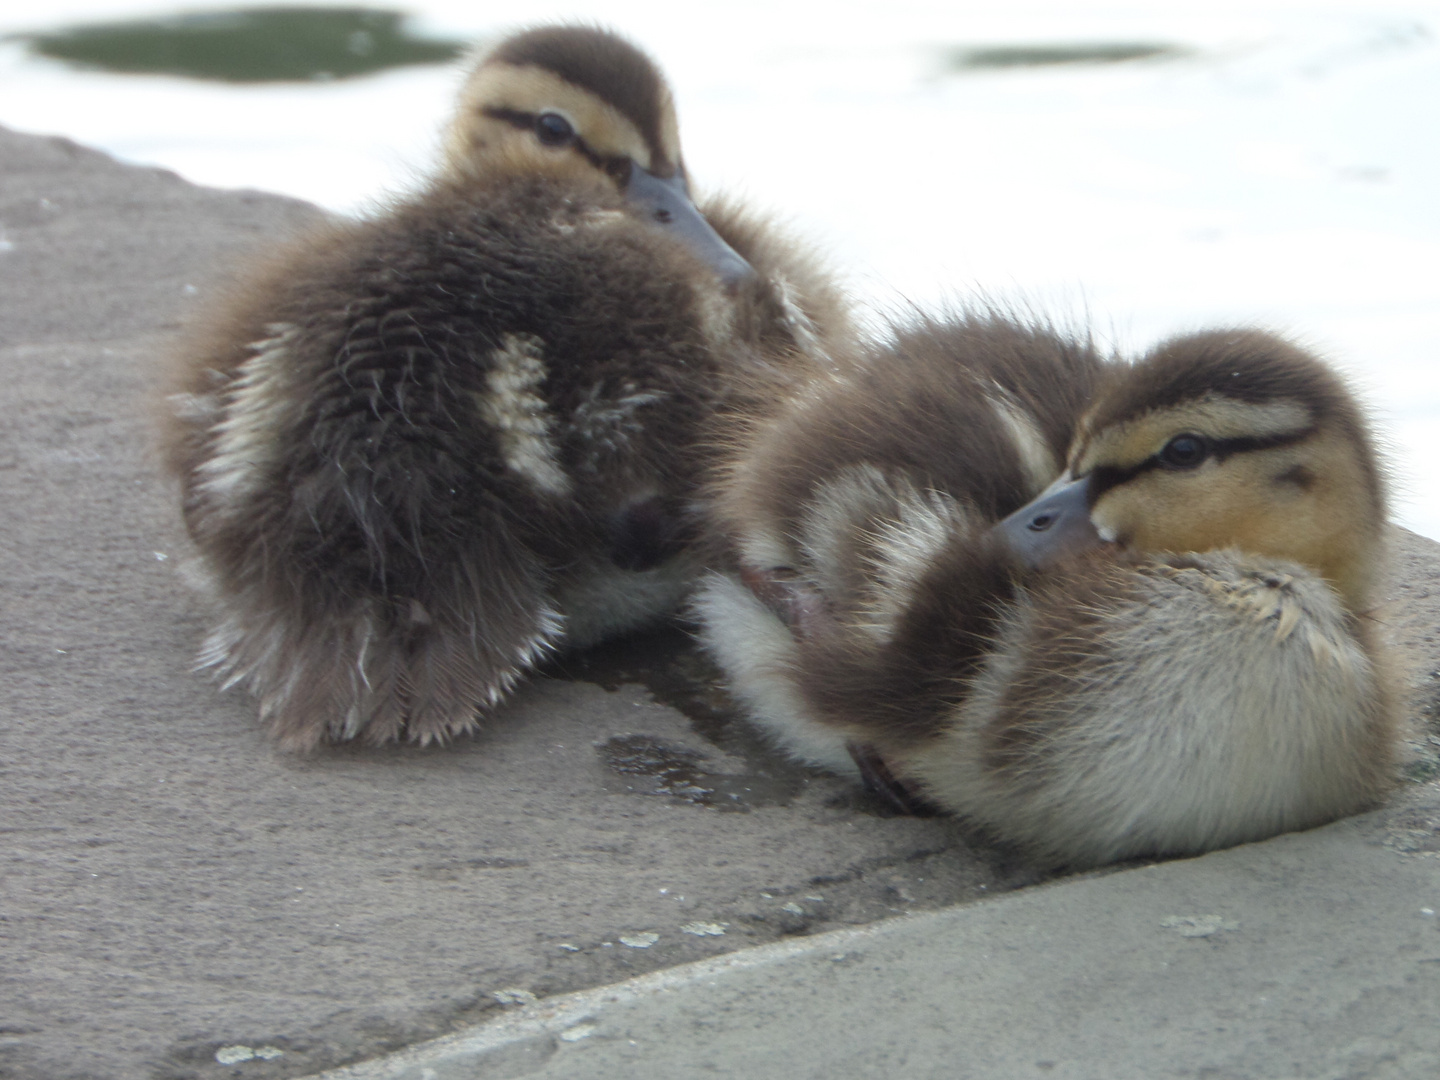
(649, 766)
(668, 663)
(670, 666)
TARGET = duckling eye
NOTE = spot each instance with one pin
(1184, 452)
(553, 129)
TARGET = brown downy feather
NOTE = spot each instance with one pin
(417, 453)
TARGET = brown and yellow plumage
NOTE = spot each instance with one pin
(419, 452)
(1185, 664)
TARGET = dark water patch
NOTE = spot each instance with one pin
(262, 44)
(669, 664)
(651, 766)
(671, 667)
(675, 770)
(985, 57)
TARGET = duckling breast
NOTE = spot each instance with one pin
(1166, 705)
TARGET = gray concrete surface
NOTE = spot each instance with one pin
(179, 901)
(1309, 957)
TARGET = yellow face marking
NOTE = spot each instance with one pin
(473, 136)
(1123, 446)
(1307, 502)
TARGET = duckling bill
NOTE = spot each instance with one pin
(1167, 651)
(418, 453)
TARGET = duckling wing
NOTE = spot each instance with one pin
(836, 507)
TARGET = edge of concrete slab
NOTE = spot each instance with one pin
(1313, 955)
(535, 1031)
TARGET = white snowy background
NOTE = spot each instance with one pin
(1283, 170)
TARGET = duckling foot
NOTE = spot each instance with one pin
(881, 782)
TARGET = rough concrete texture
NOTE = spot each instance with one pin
(1312, 956)
(176, 895)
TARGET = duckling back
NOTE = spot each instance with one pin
(979, 409)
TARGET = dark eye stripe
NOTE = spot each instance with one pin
(1105, 477)
(616, 165)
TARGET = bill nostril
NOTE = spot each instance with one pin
(1040, 522)
(664, 217)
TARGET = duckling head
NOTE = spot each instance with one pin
(583, 106)
(1219, 440)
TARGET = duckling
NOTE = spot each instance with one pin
(1165, 653)
(419, 453)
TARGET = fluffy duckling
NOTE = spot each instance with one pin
(419, 452)
(1166, 652)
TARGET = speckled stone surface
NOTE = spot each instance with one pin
(174, 889)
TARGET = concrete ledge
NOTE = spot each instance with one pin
(1308, 957)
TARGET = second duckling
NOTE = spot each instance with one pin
(1165, 653)
(422, 451)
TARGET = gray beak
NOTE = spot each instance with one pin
(1052, 527)
(667, 204)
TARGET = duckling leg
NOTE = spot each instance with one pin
(881, 783)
